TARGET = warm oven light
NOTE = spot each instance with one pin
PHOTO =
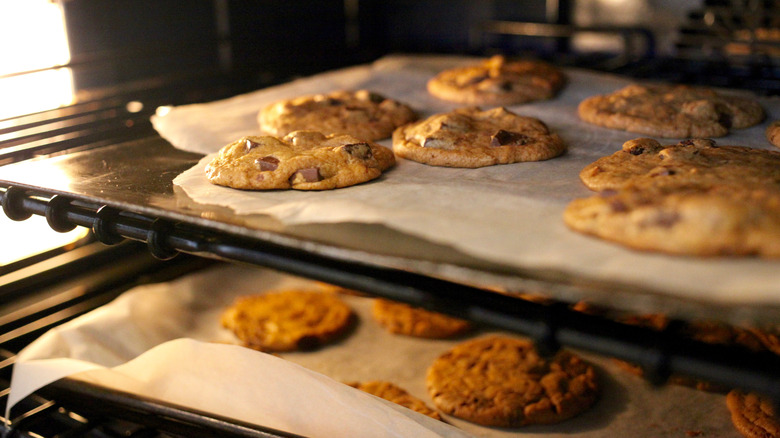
(33, 39)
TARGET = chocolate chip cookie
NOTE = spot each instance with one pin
(498, 81)
(302, 160)
(287, 320)
(773, 133)
(504, 382)
(470, 137)
(753, 415)
(406, 320)
(396, 394)
(671, 111)
(363, 114)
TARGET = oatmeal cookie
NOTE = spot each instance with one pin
(671, 111)
(753, 415)
(504, 382)
(396, 394)
(469, 137)
(287, 320)
(406, 320)
(498, 81)
(363, 114)
(302, 160)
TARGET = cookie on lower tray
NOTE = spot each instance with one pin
(363, 114)
(697, 161)
(470, 137)
(753, 415)
(394, 393)
(664, 110)
(302, 160)
(403, 319)
(288, 320)
(505, 382)
(498, 81)
(773, 133)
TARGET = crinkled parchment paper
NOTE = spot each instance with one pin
(164, 341)
(508, 214)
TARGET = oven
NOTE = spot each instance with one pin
(86, 182)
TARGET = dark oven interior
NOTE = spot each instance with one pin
(129, 58)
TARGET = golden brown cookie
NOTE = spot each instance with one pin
(714, 221)
(362, 114)
(690, 198)
(504, 382)
(773, 133)
(396, 394)
(671, 111)
(288, 320)
(498, 81)
(753, 415)
(469, 137)
(406, 320)
(302, 160)
(697, 161)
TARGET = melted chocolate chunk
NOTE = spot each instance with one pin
(636, 150)
(376, 98)
(249, 144)
(725, 119)
(358, 150)
(664, 171)
(508, 138)
(618, 206)
(309, 174)
(267, 163)
(667, 219)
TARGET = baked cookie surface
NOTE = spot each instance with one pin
(403, 319)
(691, 198)
(753, 415)
(470, 137)
(394, 393)
(302, 160)
(773, 133)
(498, 81)
(504, 382)
(362, 114)
(645, 162)
(671, 111)
(287, 320)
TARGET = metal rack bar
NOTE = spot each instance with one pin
(661, 353)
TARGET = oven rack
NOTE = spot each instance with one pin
(551, 325)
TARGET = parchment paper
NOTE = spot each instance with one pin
(164, 341)
(509, 214)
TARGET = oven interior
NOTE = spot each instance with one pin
(128, 61)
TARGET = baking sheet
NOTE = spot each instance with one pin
(508, 214)
(164, 341)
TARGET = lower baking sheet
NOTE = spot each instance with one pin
(164, 341)
(508, 214)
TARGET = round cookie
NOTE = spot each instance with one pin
(645, 162)
(504, 382)
(714, 221)
(362, 114)
(753, 415)
(302, 160)
(396, 394)
(469, 137)
(288, 320)
(671, 111)
(403, 319)
(498, 81)
(773, 133)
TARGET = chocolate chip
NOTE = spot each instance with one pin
(636, 150)
(618, 206)
(508, 138)
(267, 163)
(358, 150)
(667, 218)
(505, 86)
(725, 119)
(249, 144)
(308, 174)
(664, 171)
(433, 142)
(376, 98)
(333, 102)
